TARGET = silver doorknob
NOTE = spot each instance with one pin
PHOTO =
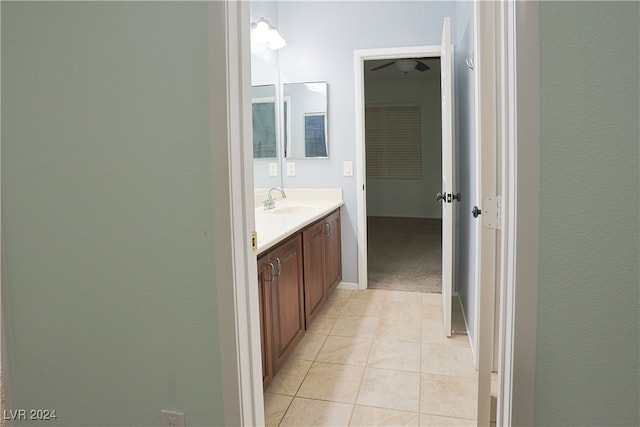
(439, 197)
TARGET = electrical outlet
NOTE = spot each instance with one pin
(291, 169)
(273, 169)
(172, 418)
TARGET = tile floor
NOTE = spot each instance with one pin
(376, 358)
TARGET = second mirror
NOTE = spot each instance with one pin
(305, 120)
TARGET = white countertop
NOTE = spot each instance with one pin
(301, 208)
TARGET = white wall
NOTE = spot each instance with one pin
(321, 38)
(414, 198)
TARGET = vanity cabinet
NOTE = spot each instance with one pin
(322, 262)
(266, 328)
(333, 267)
(283, 303)
(295, 278)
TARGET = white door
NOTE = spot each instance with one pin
(448, 189)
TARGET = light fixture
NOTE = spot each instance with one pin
(406, 65)
(263, 32)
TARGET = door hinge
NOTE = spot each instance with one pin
(492, 212)
(254, 240)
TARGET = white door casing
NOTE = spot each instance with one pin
(448, 184)
(360, 56)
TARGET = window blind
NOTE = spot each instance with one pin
(393, 142)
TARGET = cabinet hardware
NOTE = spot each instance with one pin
(272, 272)
(279, 265)
(327, 228)
(254, 241)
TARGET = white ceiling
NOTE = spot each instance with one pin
(394, 73)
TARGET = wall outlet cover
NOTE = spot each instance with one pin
(347, 167)
(273, 169)
(291, 169)
(172, 418)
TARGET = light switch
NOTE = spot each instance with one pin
(348, 168)
(291, 169)
(273, 169)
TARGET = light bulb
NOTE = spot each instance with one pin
(275, 40)
(261, 31)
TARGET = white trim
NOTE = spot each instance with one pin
(232, 176)
(466, 324)
(487, 124)
(348, 286)
(520, 26)
(361, 176)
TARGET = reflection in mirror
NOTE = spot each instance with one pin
(267, 154)
(263, 100)
(305, 120)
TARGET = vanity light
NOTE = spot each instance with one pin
(263, 32)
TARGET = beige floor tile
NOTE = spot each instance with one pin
(368, 294)
(340, 294)
(403, 296)
(384, 388)
(402, 311)
(437, 421)
(433, 333)
(447, 360)
(432, 299)
(328, 381)
(363, 308)
(308, 347)
(334, 307)
(432, 312)
(288, 379)
(275, 406)
(323, 324)
(307, 412)
(449, 396)
(354, 326)
(345, 350)
(399, 330)
(369, 416)
(397, 355)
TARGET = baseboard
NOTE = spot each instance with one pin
(466, 325)
(348, 286)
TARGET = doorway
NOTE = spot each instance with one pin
(403, 148)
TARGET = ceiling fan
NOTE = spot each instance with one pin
(405, 65)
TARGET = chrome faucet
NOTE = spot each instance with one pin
(270, 203)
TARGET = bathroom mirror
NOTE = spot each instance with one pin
(265, 137)
(305, 120)
(265, 115)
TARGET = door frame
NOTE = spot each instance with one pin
(517, 33)
(360, 56)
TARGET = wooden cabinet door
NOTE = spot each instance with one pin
(315, 290)
(287, 302)
(333, 253)
(266, 336)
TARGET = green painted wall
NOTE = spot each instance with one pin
(588, 345)
(107, 212)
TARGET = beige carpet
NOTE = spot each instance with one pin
(404, 254)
